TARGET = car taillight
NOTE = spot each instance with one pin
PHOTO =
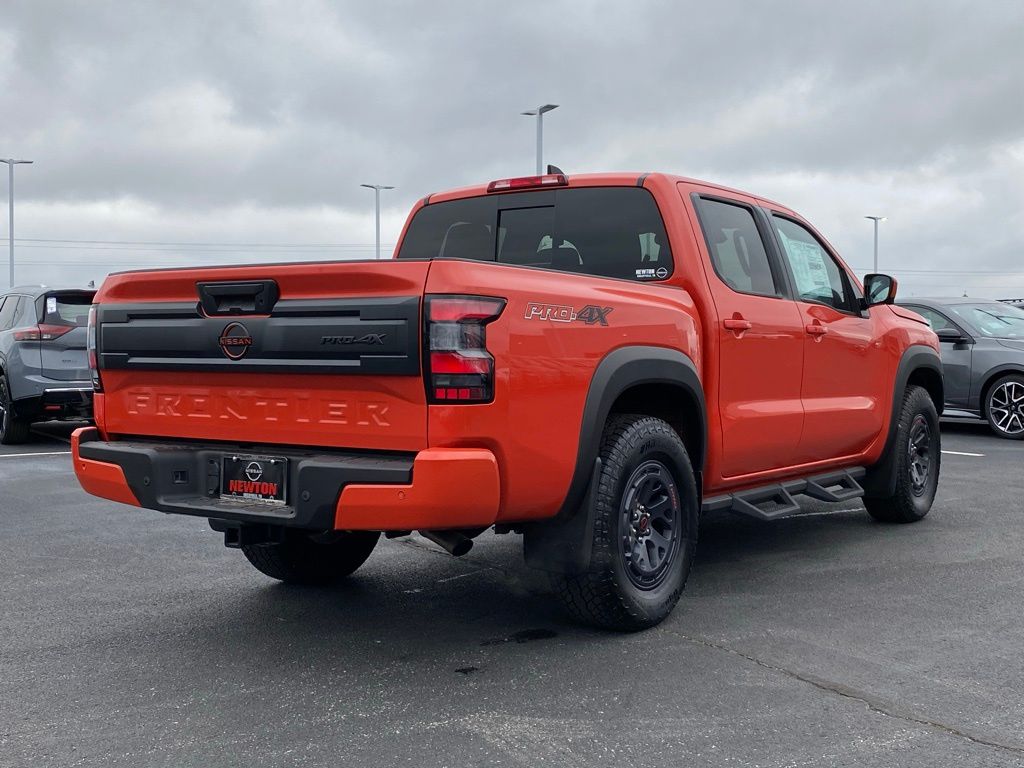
(41, 332)
(458, 366)
(90, 348)
(526, 182)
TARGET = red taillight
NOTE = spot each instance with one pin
(458, 365)
(90, 347)
(526, 182)
(41, 332)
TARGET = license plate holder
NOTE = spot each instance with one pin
(262, 479)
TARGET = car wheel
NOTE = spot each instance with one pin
(1004, 407)
(918, 446)
(316, 559)
(13, 431)
(645, 528)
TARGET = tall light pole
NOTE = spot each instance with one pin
(11, 162)
(376, 194)
(876, 219)
(539, 112)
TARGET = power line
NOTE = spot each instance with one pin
(190, 244)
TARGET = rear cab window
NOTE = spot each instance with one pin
(67, 309)
(601, 231)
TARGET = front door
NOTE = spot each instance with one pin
(844, 387)
(956, 357)
(760, 338)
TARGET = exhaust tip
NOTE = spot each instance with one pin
(452, 542)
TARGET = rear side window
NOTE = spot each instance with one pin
(69, 309)
(604, 231)
(7, 312)
(737, 251)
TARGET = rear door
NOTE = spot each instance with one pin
(63, 316)
(316, 355)
(760, 337)
(845, 383)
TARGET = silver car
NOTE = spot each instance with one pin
(982, 347)
(44, 371)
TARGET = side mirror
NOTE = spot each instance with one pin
(951, 336)
(879, 289)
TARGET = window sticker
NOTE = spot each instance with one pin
(808, 261)
(51, 305)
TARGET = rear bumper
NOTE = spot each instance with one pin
(56, 402)
(432, 489)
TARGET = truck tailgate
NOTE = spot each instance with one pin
(316, 355)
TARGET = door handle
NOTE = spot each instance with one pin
(816, 329)
(737, 324)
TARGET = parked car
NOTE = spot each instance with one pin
(44, 373)
(982, 347)
(589, 361)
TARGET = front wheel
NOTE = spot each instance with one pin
(645, 528)
(315, 559)
(1004, 407)
(918, 449)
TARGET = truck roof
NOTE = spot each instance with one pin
(616, 178)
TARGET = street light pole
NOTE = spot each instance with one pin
(876, 219)
(11, 162)
(376, 197)
(539, 112)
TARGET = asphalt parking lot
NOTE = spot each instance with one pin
(132, 638)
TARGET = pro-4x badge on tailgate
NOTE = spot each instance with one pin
(557, 313)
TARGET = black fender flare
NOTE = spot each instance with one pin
(563, 542)
(881, 477)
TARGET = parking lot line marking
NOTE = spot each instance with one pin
(964, 453)
(41, 453)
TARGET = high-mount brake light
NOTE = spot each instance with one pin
(90, 347)
(458, 367)
(41, 332)
(527, 182)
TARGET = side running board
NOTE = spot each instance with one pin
(771, 502)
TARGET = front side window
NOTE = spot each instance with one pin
(935, 320)
(736, 249)
(818, 276)
(604, 231)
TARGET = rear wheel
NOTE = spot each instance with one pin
(13, 430)
(645, 528)
(918, 453)
(302, 558)
(1004, 407)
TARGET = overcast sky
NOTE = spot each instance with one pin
(250, 125)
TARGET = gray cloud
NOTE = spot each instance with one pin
(224, 121)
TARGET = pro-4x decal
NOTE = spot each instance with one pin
(558, 313)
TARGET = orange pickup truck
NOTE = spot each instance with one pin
(590, 361)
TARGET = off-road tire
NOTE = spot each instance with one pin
(911, 501)
(606, 595)
(301, 559)
(1004, 396)
(13, 431)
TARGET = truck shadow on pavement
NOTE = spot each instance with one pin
(413, 604)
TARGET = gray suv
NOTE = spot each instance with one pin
(982, 347)
(44, 370)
